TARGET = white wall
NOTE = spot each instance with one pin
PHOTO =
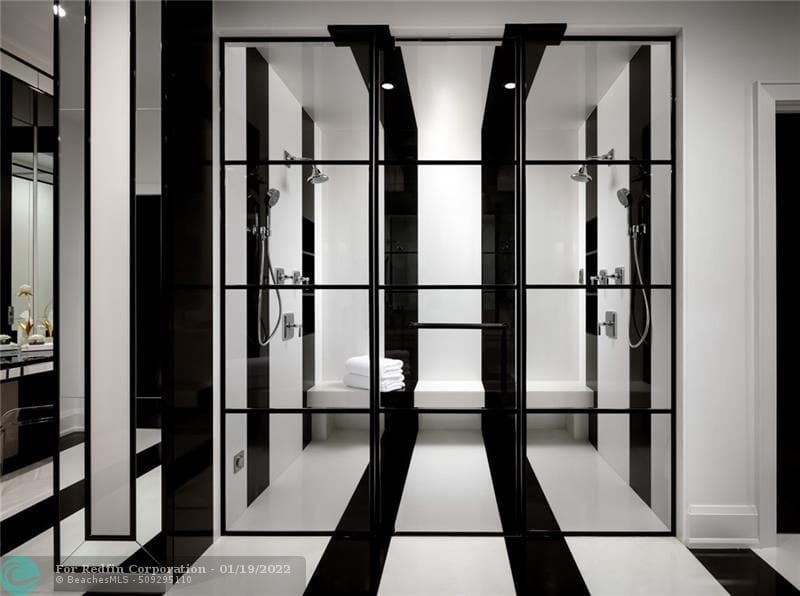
(109, 269)
(341, 253)
(285, 357)
(613, 250)
(449, 85)
(235, 332)
(722, 50)
(555, 249)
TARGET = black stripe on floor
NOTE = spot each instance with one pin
(743, 573)
(353, 565)
(539, 565)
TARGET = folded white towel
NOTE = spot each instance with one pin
(359, 365)
(362, 382)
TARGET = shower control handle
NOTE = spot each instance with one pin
(298, 278)
(610, 324)
(289, 326)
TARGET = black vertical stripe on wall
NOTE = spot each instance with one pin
(401, 208)
(498, 220)
(309, 150)
(591, 271)
(788, 449)
(187, 329)
(148, 295)
(257, 132)
(640, 472)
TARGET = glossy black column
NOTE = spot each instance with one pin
(591, 271)
(257, 148)
(309, 150)
(187, 270)
(788, 156)
(640, 425)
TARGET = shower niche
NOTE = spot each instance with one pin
(447, 273)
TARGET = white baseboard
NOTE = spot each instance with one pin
(722, 526)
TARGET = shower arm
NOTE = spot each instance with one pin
(603, 157)
(289, 157)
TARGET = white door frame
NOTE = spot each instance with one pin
(769, 99)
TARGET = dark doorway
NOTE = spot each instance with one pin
(787, 134)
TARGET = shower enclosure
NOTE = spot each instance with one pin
(496, 214)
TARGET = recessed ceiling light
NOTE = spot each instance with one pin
(59, 10)
(388, 86)
(510, 85)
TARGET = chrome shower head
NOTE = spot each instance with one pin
(273, 194)
(624, 197)
(317, 177)
(581, 175)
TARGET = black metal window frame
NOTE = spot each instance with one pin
(520, 287)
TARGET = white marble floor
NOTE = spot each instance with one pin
(784, 557)
(448, 487)
(634, 566)
(446, 566)
(583, 490)
(310, 548)
(313, 492)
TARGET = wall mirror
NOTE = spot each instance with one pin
(27, 376)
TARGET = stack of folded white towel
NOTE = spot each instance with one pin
(358, 369)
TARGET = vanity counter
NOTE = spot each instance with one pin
(16, 364)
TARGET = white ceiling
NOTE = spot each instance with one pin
(571, 80)
(325, 80)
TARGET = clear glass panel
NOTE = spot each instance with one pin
(296, 472)
(576, 230)
(599, 472)
(319, 230)
(454, 472)
(573, 363)
(308, 99)
(309, 366)
(454, 93)
(588, 98)
(447, 224)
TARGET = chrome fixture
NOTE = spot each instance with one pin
(582, 175)
(610, 324)
(269, 200)
(634, 231)
(316, 176)
(296, 277)
(289, 326)
(624, 197)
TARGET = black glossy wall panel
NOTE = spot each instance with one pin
(591, 271)
(640, 472)
(257, 117)
(309, 338)
(148, 294)
(187, 278)
(788, 156)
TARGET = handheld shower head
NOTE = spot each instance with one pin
(581, 175)
(624, 197)
(273, 195)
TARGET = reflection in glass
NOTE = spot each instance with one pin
(297, 482)
(619, 92)
(617, 479)
(304, 365)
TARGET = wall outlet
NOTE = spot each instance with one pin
(238, 462)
